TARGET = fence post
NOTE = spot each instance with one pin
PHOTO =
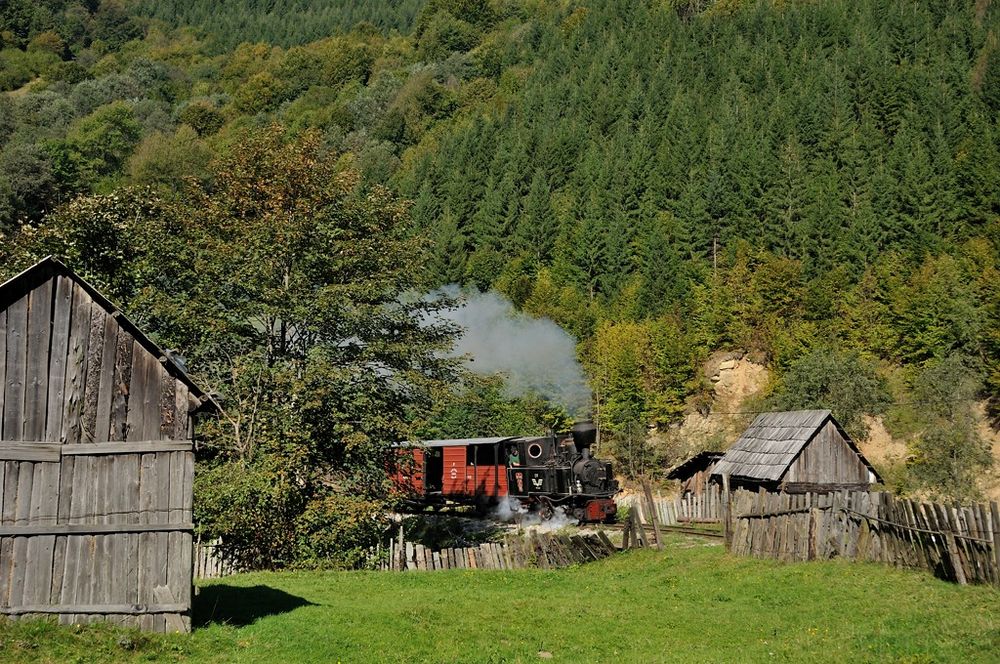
(652, 514)
(401, 550)
(995, 512)
(727, 508)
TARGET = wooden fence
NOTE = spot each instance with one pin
(954, 542)
(704, 508)
(534, 549)
(209, 563)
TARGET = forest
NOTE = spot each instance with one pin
(813, 183)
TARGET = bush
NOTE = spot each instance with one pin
(949, 456)
(338, 531)
(201, 117)
(836, 380)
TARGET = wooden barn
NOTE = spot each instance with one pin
(796, 452)
(96, 460)
(694, 473)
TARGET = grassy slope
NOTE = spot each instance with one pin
(691, 603)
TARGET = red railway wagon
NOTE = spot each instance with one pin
(467, 470)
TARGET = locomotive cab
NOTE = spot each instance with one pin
(550, 472)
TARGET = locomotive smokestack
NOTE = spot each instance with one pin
(584, 437)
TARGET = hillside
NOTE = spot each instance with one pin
(815, 185)
(689, 602)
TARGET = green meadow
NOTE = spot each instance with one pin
(690, 602)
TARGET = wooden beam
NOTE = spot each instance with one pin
(117, 609)
(93, 529)
(19, 451)
(135, 447)
(52, 450)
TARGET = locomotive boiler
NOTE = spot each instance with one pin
(541, 472)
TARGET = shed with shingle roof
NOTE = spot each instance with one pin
(694, 473)
(797, 451)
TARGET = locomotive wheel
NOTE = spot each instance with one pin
(545, 510)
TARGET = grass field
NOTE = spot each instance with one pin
(691, 603)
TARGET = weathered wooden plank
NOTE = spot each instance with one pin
(16, 369)
(76, 367)
(91, 528)
(106, 381)
(136, 447)
(147, 505)
(122, 609)
(188, 495)
(28, 451)
(3, 363)
(62, 312)
(8, 515)
(92, 386)
(69, 513)
(136, 400)
(37, 371)
(44, 512)
(121, 382)
(178, 554)
(181, 414)
(167, 406)
(150, 386)
(22, 517)
(86, 495)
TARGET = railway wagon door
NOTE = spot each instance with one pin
(434, 470)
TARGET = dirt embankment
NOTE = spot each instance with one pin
(736, 381)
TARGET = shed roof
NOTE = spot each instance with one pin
(692, 465)
(17, 286)
(769, 446)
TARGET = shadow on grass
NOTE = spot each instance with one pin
(241, 606)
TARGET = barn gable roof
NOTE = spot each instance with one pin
(772, 443)
(16, 287)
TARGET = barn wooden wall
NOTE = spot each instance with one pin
(827, 460)
(96, 465)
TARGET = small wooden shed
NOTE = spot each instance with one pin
(96, 460)
(694, 473)
(796, 452)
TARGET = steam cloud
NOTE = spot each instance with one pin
(534, 354)
(511, 510)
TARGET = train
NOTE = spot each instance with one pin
(543, 473)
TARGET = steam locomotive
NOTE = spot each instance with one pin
(543, 473)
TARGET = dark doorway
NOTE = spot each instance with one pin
(434, 473)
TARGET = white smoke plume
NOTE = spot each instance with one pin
(511, 510)
(534, 354)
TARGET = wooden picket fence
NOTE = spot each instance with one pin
(209, 563)
(673, 511)
(961, 543)
(534, 549)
